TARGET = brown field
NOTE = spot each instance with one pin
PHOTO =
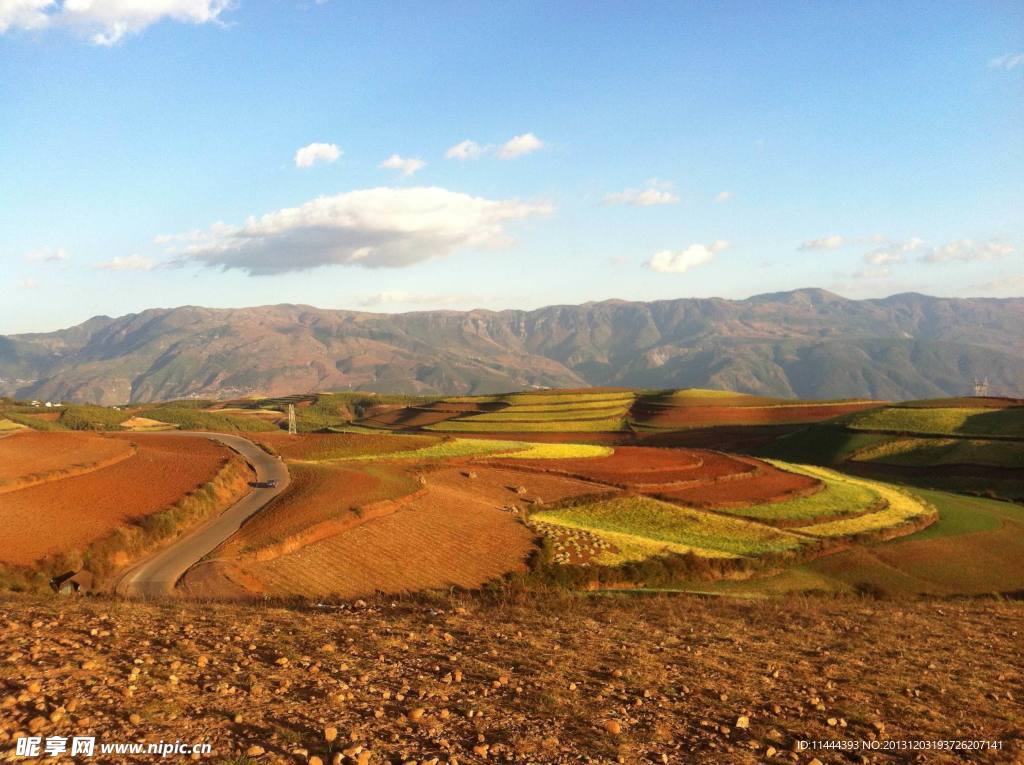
(770, 485)
(33, 457)
(533, 681)
(704, 416)
(317, 494)
(57, 516)
(455, 533)
(642, 466)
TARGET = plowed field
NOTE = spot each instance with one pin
(454, 534)
(33, 456)
(60, 515)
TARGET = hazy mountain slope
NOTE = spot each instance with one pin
(807, 343)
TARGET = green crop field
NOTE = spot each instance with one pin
(924, 452)
(820, 445)
(839, 497)
(188, 418)
(564, 398)
(6, 425)
(558, 426)
(481, 447)
(575, 406)
(646, 522)
(901, 508)
(515, 414)
(943, 421)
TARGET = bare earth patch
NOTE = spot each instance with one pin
(545, 680)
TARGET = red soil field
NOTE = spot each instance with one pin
(320, 493)
(641, 465)
(683, 416)
(769, 485)
(67, 514)
(453, 534)
(35, 454)
(714, 479)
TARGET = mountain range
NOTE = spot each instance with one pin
(807, 343)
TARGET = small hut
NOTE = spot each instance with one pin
(72, 583)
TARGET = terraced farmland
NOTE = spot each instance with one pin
(970, 421)
(561, 411)
(637, 526)
(934, 452)
(695, 408)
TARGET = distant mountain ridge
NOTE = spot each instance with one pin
(807, 343)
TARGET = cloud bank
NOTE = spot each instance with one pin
(373, 228)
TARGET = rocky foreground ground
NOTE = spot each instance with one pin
(543, 679)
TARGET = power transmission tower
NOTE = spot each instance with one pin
(980, 387)
(292, 429)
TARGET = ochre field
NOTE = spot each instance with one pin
(32, 457)
(66, 513)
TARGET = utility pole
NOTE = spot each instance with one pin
(292, 429)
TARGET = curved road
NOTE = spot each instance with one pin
(157, 575)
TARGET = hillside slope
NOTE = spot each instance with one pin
(807, 344)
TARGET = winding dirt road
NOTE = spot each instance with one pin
(157, 575)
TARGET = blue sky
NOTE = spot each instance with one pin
(619, 150)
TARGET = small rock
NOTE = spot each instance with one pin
(612, 726)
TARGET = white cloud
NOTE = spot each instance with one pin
(406, 165)
(23, 14)
(466, 150)
(892, 252)
(48, 254)
(832, 242)
(107, 22)
(1009, 61)
(681, 261)
(723, 196)
(967, 251)
(527, 143)
(312, 153)
(656, 193)
(127, 263)
(28, 284)
(373, 228)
